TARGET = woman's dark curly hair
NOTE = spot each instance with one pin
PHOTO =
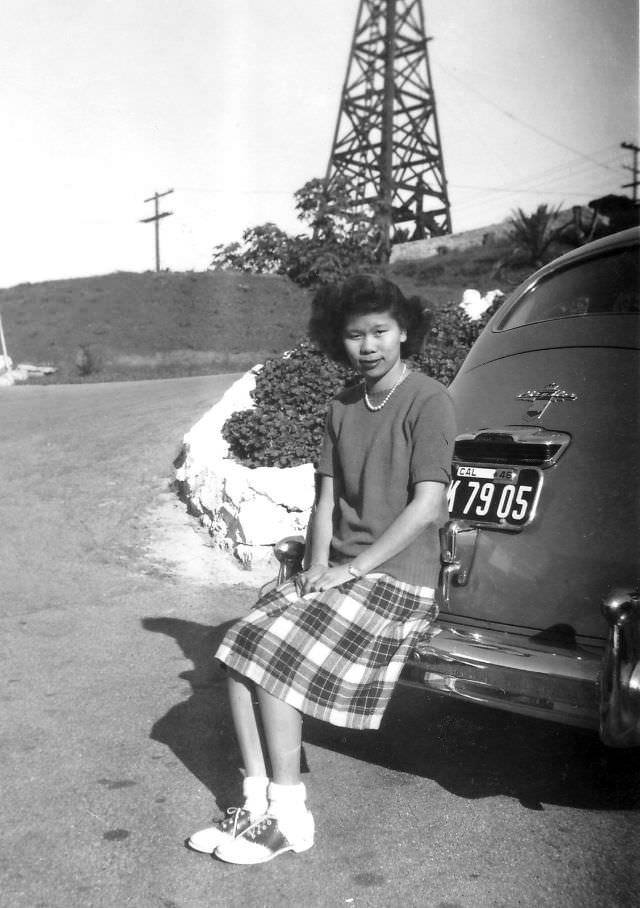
(334, 304)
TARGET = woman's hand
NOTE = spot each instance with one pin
(320, 577)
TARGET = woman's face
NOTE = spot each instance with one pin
(372, 342)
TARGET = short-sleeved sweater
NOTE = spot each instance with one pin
(375, 458)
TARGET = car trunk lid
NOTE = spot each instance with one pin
(553, 570)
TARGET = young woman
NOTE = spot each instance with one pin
(331, 642)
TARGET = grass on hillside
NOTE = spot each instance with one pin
(127, 326)
(443, 278)
(152, 325)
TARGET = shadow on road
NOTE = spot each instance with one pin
(199, 729)
(476, 752)
(473, 752)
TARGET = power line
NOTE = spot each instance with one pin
(559, 171)
(488, 193)
(545, 178)
(511, 196)
(519, 189)
(234, 191)
(512, 116)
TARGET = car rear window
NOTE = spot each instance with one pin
(608, 284)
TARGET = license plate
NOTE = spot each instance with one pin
(494, 495)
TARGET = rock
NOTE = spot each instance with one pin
(10, 374)
(291, 488)
(261, 522)
(36, 370)
(474, 304)
(245, 510)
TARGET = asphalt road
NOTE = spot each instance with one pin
(116, 739)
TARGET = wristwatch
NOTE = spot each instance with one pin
(353, 570)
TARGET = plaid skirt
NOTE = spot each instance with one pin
(335, 655)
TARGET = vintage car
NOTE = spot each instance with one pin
(539, 596)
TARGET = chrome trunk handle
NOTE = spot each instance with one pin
(457, 548)
(620, 681)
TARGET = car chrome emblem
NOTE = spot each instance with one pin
(551, 393)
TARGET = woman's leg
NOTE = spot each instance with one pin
(288, 825)
(245, 721)
(282, 726)
(255, 783)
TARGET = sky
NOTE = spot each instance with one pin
(232, 104)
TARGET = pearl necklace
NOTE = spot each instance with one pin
(375, 407)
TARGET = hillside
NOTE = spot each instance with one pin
(158, 325)
(152, 325)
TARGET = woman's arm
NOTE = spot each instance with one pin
(319, 536)
(423, 509)
(322, 524)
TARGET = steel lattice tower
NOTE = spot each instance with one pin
(387, 143)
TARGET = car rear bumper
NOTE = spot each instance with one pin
(509, 671)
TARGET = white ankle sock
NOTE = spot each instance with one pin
(287, 800)
(287, 805)
(254, 789)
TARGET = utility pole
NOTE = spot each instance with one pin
(5, 355)
(634, 169)
(156, 219)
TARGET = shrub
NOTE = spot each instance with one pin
(264, 250)
(450, 339)
(291, 399)
(87, 360)
(341, 242)
(292, 393)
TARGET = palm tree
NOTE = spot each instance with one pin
(534, 233)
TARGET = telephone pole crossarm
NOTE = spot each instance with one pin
(635, 149)
(156, 217)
